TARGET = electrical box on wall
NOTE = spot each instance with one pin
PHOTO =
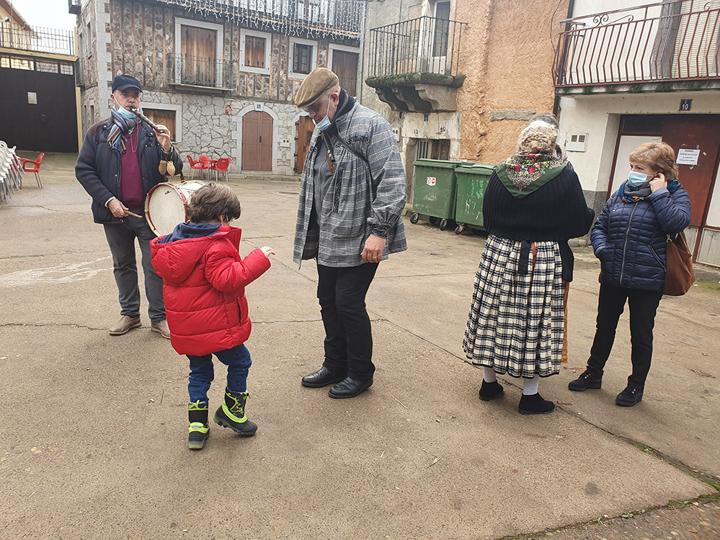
(396, 133)
(285, 143)
(576, 142)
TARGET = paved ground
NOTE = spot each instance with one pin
(93, 444)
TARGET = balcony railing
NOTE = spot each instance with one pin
(319, 19)
(416, 47)
(37, 39)
(200, 72)
(675, 41)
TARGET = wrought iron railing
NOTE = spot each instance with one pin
(320, 19)
(37, 39)
(204, 72)
(425, 45)
(664, 41)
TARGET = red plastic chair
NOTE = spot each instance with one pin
(199, 165)
(33, 166)
(221, 165)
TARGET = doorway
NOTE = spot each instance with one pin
(304, 130)
(257, 141)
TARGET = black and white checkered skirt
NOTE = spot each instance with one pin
(516, 319)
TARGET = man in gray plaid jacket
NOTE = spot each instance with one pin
(352, 196)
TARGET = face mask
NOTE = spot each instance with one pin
(636, 179)
(325, 123)
(127, 115)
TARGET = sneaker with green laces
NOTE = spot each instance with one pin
(198, 430)
(232, 414)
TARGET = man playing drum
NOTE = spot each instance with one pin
(118, 164)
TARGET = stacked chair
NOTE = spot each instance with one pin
(11, 171)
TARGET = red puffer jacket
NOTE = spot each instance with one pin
(204, 288)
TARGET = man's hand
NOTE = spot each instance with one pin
(267, 250)
(374, 249)
(164, 137)
(117, 209)
(658, 182)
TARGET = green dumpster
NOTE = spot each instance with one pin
(471, 183)
(434, 190)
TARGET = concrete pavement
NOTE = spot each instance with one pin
(94, 434)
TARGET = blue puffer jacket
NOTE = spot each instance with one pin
(630, 238)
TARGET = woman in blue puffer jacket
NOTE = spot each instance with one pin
(630, 239)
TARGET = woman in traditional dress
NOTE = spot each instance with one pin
(534, 203)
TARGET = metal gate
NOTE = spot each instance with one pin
(38, 107)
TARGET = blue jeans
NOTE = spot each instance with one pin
(202, 373)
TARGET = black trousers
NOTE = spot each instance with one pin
(348, 334)
(643, 306)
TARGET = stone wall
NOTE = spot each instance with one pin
(508, 69)
(213, 126)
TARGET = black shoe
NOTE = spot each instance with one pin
(535, 404)
(632, 395)
(490, 390)
(588, 380)
(321, 377)
(232, 414)
(349, 388)
(198, 430)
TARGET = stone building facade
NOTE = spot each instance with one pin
(494, 73)
(221, 73)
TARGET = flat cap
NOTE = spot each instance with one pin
(318, 81)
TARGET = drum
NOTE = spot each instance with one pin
(165, 205)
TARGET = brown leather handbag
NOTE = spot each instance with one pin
(679, 274)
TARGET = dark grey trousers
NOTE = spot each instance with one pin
(121, 239)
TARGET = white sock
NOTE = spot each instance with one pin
(531, 386)
(489, 375)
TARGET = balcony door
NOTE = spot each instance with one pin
(199, 46)
(440, 38)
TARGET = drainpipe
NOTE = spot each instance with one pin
(556, 102)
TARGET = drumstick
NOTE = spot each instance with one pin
(133, 214)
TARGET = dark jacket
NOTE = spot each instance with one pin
(98, 167)
(554, 212)
(630, 238)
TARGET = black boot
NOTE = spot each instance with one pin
(232, 414)
(632, 395)
(198, 430)
(535, 404)
(588, 380)
(490, 390)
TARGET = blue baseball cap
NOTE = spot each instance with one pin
(123, 82)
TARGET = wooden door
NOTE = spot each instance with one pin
(345, 66)
(305, 127)
(695, 132)
(257, 141)
(163, 117)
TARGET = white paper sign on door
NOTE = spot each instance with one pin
(688, 156)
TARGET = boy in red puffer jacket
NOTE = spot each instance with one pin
(204, 282)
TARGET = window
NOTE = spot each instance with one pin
(4, 61)
(166, 118)
(167, 115)
(432, 149)
(302, 57)
(22, 63)
(442, 29)
(46, 67)
(87, 41)
(67, 69)
(255, 52)
(344, 62)
(198, 53)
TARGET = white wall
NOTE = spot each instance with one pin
(598, 116)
